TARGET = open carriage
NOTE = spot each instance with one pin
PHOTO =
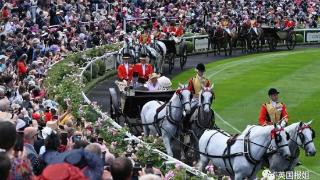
(126, 104)
(272, 35)
(175, 49)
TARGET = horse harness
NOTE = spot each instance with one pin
(159, 121)
(247, 152)
(302, 138)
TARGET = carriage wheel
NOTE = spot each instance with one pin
(190, 153)
(291, 41)
(171, 62)
(183, 58)
(272, 44)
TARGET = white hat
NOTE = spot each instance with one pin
(20, 124)
(164, 83)
(45, 132)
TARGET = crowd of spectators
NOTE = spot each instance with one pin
(38, 140)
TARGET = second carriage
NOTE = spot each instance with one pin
(272, 35)
(176, 48)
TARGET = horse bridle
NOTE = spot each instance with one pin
(169, 116)
(302, 137)
(211, 99)
(275, 134)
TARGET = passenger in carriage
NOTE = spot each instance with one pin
(143, 69)
(153, 83)
(179, 31)
(125, 70)
(145, 37)
(289, 24)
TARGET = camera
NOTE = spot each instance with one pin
(76, 138)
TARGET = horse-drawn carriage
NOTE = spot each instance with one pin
(126, 103)
(272, 35)
(176, 48)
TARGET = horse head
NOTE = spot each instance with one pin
(206, 98)
(279, 140)
(185, 97)
(305, 136)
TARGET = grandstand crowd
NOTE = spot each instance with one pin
(37, 139)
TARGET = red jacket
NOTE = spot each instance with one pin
(139, 70)
(289, 24)
(265, 118)
(22, 68)
(179, 31)
(123, 74)
(145, 39)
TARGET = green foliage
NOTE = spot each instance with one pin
(95, 70)
(87, 76)
(299, 38)
(144, 154)
(101, 50)
(189, 47)
(114, 138)
(102, 67)
(89, 114)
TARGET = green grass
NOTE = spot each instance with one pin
(241, 86)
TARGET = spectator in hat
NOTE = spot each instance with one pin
(125, 70)
(63, 171)
(143, 68)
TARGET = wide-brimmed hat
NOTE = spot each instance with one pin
(154, 75)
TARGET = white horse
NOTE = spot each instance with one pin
(301, 135)
(162, 49)
(240, 159)
(167, 120)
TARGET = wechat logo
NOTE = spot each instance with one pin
(268, 175)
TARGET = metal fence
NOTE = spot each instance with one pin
(200, 42)
(109, 60)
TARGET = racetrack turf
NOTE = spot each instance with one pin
(241, 86)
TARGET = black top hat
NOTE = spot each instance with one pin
(201, 67)
(126, 56)
(273, 91)
(143, 56)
